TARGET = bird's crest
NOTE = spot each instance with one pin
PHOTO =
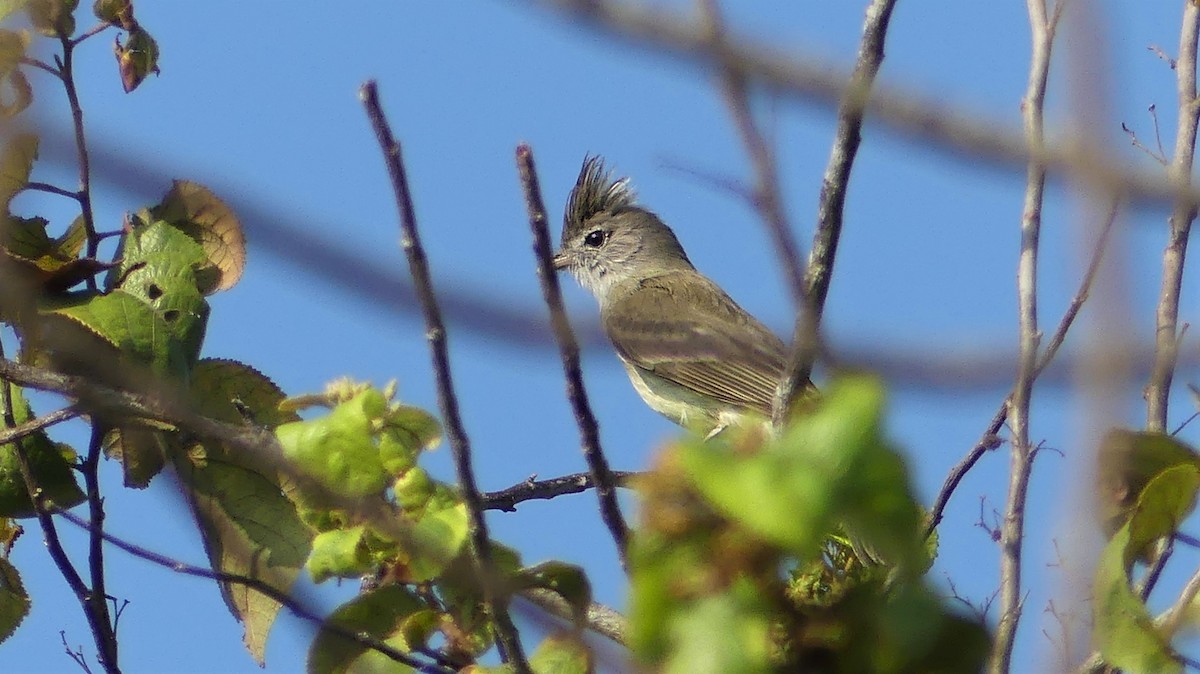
(595, 192)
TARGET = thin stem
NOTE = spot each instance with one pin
(99, 597)
(52, 189)
(435, 332)
(32, 426)
(1012, 536)
(81, 151)
(1166, 342)
(94, 30)
(568, 351)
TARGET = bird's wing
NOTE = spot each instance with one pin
(685, 329)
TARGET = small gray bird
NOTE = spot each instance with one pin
(691, 352)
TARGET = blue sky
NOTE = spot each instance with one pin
(259, 101)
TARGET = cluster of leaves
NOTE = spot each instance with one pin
(1147, 483)
(380, 514)
(799, 553)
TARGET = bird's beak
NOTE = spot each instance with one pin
(560, 261)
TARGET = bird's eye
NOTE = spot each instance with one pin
(595, 238)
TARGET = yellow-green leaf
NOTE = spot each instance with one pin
(250, 527)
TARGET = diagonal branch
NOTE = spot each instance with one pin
(568, 350)
(991, 438)
(532, 489)
(496, 599)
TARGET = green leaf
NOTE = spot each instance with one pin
(561, 654)
(1124, 630)
(14, 600)
(727, 633)
(137, 58)
(47, 465)
(10, 7)
(338, 450)
(119, 319)
(142, 451)
(830, 466)
(196, 211)
(340, 553)
(54, 262)
(380, 614)
(437, 538)
(250, 528)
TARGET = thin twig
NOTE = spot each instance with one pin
(568, 350)
(990, 438)
(531, 489)
(496, 600)
(84, 194)
(101, 629)
(98, 595)
(258, 585)
(51, 189)
(36, 424)
(766, 195)
(1158, 390)
(1012, 536)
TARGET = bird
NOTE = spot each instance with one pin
(691, 352)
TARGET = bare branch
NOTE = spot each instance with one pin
(568, 350)
(435, 332)
(1179, 174)
(1013, 531)
(531, 489)
(831, 207)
